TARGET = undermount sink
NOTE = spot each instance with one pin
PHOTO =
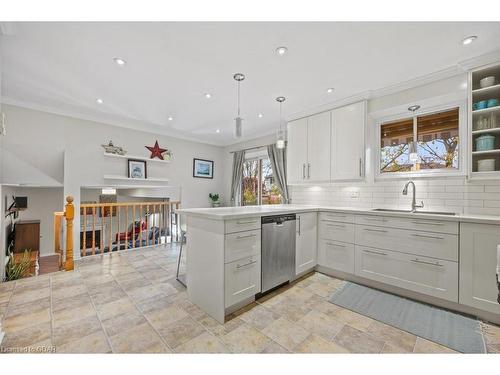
(415, 212)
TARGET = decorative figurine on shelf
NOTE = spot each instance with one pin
(214, 198)
(110, 148)
(167, 155)
(156, 151)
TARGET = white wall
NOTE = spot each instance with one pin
(47, 149)
(455, 194)
(42, 203)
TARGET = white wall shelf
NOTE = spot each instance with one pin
(107, 154)
(485, 152)
(117, 177)
(486, 110)
(485, 131)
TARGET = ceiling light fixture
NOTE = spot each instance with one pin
(238, 128)
(119, 62)
(469, 40)
(99, 101)
(260, 115)
(414, 158)
(217, 131)
(280, 135)
(330, 90)
(170, 118)
(281, 50)
(208, 95)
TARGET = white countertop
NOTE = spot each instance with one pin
(228, 213)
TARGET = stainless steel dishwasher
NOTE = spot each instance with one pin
(278, 250)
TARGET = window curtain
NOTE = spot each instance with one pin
(238, 160)
(278, 162)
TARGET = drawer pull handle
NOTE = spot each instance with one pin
(334, 244)
(376, 230)
(416, 260)
(427, 222)
(334, 215)
(426, 236)
(246, 222)
(336, 225)
(246, 264)
(247, 236)
(374, 252)
(374, 219)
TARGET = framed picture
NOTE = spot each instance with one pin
(137, 169)
(203, 168)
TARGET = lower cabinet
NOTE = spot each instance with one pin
(478, 262)
(306, 242)
(242, 279)
(336, 255)
(425, 275)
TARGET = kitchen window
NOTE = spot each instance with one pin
(425, 143)
(257, 186)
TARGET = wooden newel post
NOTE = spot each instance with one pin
(69, 213)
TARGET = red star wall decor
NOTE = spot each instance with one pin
(156, 151)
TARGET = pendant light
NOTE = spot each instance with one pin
(280, 134)
(238, 128)
(414, 158)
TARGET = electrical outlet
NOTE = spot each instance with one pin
(354, 194)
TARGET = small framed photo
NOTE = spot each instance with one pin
(203, 168)
(137, 169)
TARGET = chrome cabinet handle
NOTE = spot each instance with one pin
(375, 230)
(375, 219)
(334, 244)
(246, 264)
(303, 171)
(336, 225)
(426, 236)
(416, 260)
(360, 167)
(298, 219)
(247, 236)
(374, 252)
(334, 215)
(246, 222)
(427, 222)
(308, 170)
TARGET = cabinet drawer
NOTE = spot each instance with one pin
(242, 244)
(336, 255)
(241, 225)
(435, 245)
(337, 216)
(438, 278)
(415, 223)
(242, 280)
(333, 230)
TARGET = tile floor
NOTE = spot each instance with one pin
(130, 302)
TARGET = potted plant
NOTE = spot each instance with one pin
(214, 198)
(17, 269)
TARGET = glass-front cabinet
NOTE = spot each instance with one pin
(484, 122)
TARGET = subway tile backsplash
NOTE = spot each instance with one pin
(444, 194)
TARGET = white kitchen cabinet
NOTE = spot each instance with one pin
(318, 147)
(308, 153)
(478, 260)
(348, 142)
(242, 280)
(297, 151)
(435, 277)
(306, 242)
(336, 255)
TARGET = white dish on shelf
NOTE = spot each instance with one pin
(487, 82)
(486, 165)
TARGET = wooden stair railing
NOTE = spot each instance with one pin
(69, 214)
(58, 236)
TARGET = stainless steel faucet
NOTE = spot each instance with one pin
(414, 204)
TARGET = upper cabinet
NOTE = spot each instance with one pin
(348, 142)
(328, 146)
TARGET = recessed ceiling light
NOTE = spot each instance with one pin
(208, 95)
(170, 118)
(119, 61)
(217, 131)
(99, 101)
(469, 40)
(281, 50)
(329, 90)
(260, 115)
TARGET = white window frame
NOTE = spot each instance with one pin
(462, 143)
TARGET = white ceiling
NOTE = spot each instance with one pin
(64, 67)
